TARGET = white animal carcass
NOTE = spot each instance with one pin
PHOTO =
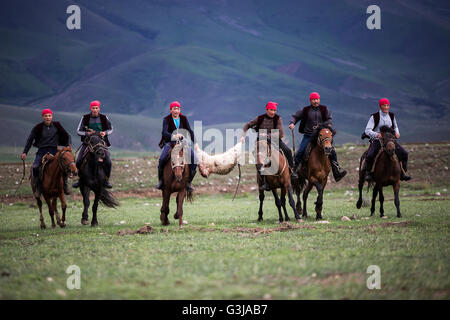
(221, 163)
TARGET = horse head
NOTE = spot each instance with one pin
(324, 139)
(263, 153)
(66, 161)
(388, 140)
(97, 146)
(178, 161)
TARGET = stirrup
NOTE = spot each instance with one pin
(108, 185)
(159, 185)
(189, 187)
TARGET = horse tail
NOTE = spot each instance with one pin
(298, 184)
(108, 199)
(190, 196)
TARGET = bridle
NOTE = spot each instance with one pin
(100, 144)
(62, 165)
(321, 141)
(269, 155)
(176, 162)
(384, 142)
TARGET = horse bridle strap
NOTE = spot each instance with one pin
(62, 165)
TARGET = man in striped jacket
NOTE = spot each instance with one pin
(89, 124)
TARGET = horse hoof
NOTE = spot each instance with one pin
(43, 226)
(175, 216)
(287, 219)
(94, 224)
(260, 219)
(399, 216)
(62, 225)
(358, 204)
(53, 226)
(84, 222)
(383, 217)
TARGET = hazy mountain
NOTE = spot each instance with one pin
(225, 59)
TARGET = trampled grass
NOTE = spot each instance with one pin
(223, 253)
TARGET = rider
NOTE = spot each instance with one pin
(173, 122)
(311, 117)
(270, 121)
(91, 123)
(383, 118)
(46, 135)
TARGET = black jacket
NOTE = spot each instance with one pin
(64, 138)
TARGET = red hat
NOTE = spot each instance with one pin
(383, 101)
(45, 111)
(175, 104)
(271, 105)
(314, 95)
(95, 103)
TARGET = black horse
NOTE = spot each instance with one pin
(92, 178)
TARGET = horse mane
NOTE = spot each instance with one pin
(388, 129)
(315, 135)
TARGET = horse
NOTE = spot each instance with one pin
(386, 172)
(92, 178)
(266, 156)
(63, 162)
(175, 178)
(315, 171)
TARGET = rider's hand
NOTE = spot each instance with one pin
(102, 134)
(397, 135)
(241, 140)
(23, 156)
(90, 132)
(291, 126)
(379, 136)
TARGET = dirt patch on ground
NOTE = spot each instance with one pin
(391, 224)
(142, 230)
(285, 226)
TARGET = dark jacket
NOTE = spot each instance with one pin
(64, 138)
(168, 127)
(304, 115)
(106, 126)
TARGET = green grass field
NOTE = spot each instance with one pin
(223, 253)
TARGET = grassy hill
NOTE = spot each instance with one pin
(225, 60)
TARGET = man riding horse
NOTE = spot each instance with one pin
(383, 118)
(311, 118)
(95, 122)
(172, 123)
(270, 121)
(46, 136)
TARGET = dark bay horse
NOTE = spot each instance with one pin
(92, 178)
(316, 171)
(52, 184)
(276, 177)
(386, 172)
(175, 178)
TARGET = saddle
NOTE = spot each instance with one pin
(48, 157)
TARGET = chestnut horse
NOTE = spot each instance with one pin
(315, 171)
(386, 172)
(275, 165)
(175, 177)
(52, 184)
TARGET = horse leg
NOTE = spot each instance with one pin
(319, 200)
(85, 191)
(360, 187)
(180, 199)
(261, 200)
(305, 197)
(298, 206)
(55, 210)
(292, 203)
(278, 204)
(283, 203)
(381, 198)
(165, 209)
(396, 188)
(374, 197)
(62, 198)
(50, 210)
(41, 217)
(94, 221)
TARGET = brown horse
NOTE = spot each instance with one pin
(315, 171)
(52, 184)
(386, 172)
(274, 163)
(176, 175)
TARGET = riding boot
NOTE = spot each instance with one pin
(76, 184)
(66, 185)
(107, 184)
(403, 175)
(189, 186)
(368, 170)
(159, 186)
(37, 187)
(338, 172)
